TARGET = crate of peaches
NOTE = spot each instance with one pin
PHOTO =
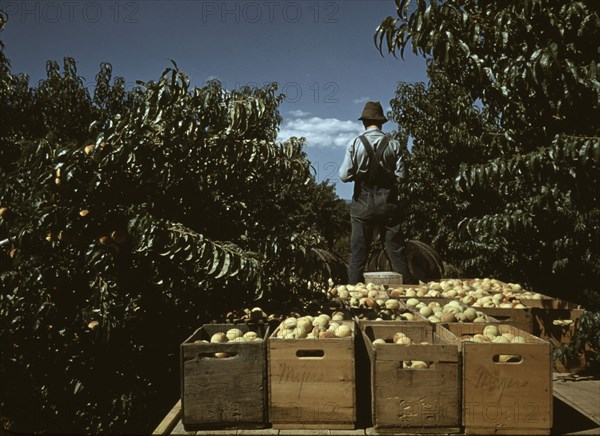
(311, 372)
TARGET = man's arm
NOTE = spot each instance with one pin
(348, 168)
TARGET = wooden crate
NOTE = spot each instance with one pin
(505, 398)
(371, 315)
(519, 318)
(407, 399)
(312, 382)
(222, 392)
(441, 300)
(544, 327)
(419, 319)
(545, 302)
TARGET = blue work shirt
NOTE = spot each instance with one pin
(356, 161)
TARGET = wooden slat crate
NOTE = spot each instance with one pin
(312, 382)
(408, 399)
(392, 315)
(441, 300)
(507, 398)
(223, 392)
(544, 327)
(419, 319)
(491, 320)
(519, 318)
(545, 302)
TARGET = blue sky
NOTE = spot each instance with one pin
(320, 52)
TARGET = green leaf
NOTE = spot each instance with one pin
(224, 266)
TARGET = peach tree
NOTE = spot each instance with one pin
(531, 200)
(128, 218)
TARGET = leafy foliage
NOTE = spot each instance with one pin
(531, 197)
(446, 130)
(132, 217)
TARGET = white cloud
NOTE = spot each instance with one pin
(321, 132)
(361, 100)
(298, 113)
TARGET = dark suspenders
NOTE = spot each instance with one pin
(374, 157)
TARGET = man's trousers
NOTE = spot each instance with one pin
(362, 236)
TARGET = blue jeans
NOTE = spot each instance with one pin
(371, 212)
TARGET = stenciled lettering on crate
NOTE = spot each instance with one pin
(223, 385)
(312, 382)
(507, 387)
(409, 399)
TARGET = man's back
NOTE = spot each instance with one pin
(356, 161)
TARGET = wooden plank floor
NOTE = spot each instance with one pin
(576, 412)
(581, 393)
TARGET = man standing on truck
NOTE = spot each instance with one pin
(373, 161)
